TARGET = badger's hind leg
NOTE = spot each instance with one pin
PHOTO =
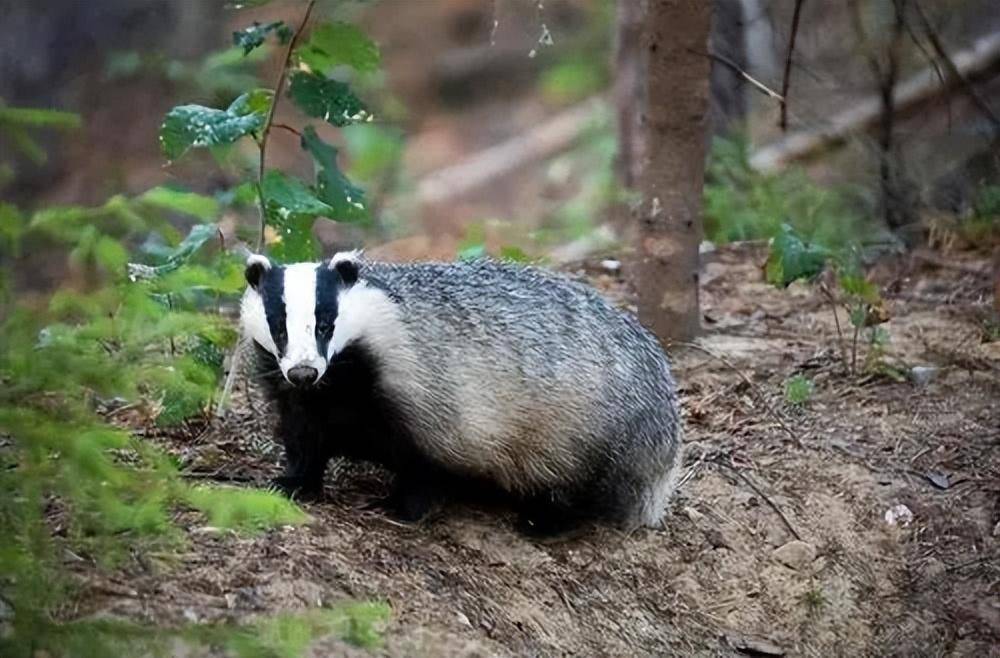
(549, 514)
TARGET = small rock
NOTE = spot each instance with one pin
(899, 515)
(996, 529)
(693, 514)
(754, 646)
(611, 265)
(795, 554)
(922, 375)
(462, 619)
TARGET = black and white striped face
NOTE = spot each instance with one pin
(292, 312)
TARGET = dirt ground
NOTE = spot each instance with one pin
(777, 544)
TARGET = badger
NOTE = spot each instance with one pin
(455, 375)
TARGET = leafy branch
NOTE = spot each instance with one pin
(266, 130)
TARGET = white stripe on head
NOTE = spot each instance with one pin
(257, 259)
(344, 256)
(300, 319)
(366, 312)
(254, 320)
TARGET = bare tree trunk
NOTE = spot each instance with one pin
(883, 55)
(673, 128)
(628, 89)
(996, 283)
(728, 103)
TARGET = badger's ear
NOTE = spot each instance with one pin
(256, 266)
(347, 264)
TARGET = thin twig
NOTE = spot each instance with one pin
(786, 78)
(854, 350)
(836, 320)
(285, 126)
(722, 59)
(970, 91)
(739, 473)
(270, 119)
(977, 561)
(749, 382)
(933, 62)
(234, 367)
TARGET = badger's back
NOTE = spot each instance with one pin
(528, 379)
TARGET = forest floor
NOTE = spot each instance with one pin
(778, 542)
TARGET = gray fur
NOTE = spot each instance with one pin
(526, 378)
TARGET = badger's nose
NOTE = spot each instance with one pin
(302, 375)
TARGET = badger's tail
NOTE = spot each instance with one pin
(654, 504)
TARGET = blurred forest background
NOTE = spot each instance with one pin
(498, 119)
(852, 165)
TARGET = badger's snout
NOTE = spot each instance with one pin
(302, 375)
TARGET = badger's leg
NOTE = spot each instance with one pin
(305, 460)
(548, 514)
(413, 497)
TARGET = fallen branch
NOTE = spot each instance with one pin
(753, 387)
(545, 140)
(943, 263)
(910, 94)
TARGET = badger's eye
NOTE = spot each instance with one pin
(324, 327)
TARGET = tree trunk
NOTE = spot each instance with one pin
(628, 89)
(674, 134)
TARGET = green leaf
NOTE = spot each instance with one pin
(858, 286)
(792, 259)
(296, 241)
(251, 37)
(290, 196)
(339, 44)
(858, 314)
(330, 100)
(346, 200)
(12, 228)
(247, 510)
(373, 149)
(514, 254)
(798, 390)
(196, 238)
(292, 207)
(39, 118)
(203, 207)
(472, 252)
(189, 126)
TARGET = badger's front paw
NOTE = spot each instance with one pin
(297, 487)
(409, 501)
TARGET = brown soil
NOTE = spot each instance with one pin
(712, 582)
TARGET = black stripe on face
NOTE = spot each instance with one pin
(327, 288)
(271, 288)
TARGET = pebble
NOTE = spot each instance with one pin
(795, 554)
(899, 515)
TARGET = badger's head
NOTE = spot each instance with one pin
(292, 311)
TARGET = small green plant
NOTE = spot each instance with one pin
(798, 390)
(743, 204)
(814, 600)
(18, 125)
(137, 331)
(846, 287)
